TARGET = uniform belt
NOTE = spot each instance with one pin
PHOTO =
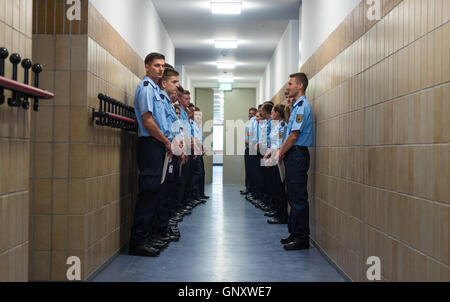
(303, 148)
(150, 138)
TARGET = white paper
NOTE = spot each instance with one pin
(166, 163)
(282, 171)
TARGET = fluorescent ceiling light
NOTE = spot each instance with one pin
(226, 79)
(226, 7)
(226, 65)
(226, 44)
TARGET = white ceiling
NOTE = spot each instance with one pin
(193, 30)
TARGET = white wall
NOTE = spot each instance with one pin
(137, 21)
(318, 20)
(283, 63)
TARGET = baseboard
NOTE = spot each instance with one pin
(102, 267)
(331, 262)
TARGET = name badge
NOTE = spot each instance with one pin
(170, 169)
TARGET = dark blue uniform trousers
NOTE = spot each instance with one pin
(256, 179)
(297, 166)
(197, 172)
(150, 161)
(246, 165)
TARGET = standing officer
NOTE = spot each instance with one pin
(251, 114)
(169, 84)
(296, 155)
(152, 148)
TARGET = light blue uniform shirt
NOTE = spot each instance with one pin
(185, 124)
(170, 117)
(197, 131)
(278, 134)
(148, 99)
(252, 129)
(302, 120)
(262, 137)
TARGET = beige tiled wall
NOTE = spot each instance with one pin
(84, 177)
(382, 158)
(15, 35)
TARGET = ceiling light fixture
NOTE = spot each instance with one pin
(226, 79)
(226, 44)
(226, 65)
(226, 7)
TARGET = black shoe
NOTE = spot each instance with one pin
(287, 240)
(249, 197)
(188, 207)
(297, 245)
(270, 214)
(275, 220)
(159, 245)
(143, 250)
(204, 197)
(265, 208)
(187, 212)
(244, 192)
(164, 238)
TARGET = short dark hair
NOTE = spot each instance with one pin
(267, 107)
(191, 105)
(280, 108)
(197, 109)
(301, 77)
(259, 107)
(180, 89)
(154, 56)
(186, 92)
(168, 66)
(168, 73)
(253, 109)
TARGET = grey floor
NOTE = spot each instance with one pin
(225, 240)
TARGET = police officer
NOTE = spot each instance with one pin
(256, 194)
(296, 155)
(251, 114)
(152, 148)
(169, 85)
(184, 189)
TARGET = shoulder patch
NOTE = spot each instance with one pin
(146, 83)
(283, 124)
(299, 118)
(301, 103)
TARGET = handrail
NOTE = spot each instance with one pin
(21, 91)
(114, 114)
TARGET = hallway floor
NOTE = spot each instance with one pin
(225, 240)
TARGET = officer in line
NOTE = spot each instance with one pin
(295, 153)
(277, 137)
(169, 84)
(197, 169)
(198, 119)
(251, 116)
(152, 148)
(254, 174)
(184, 190)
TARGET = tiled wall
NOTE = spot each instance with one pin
(83, 176)
(15, 35)
(380, 93)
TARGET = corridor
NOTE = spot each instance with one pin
(225, 240)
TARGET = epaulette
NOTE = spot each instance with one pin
(283, 124)
(162, 96)
(301, 103)
(146, 83)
